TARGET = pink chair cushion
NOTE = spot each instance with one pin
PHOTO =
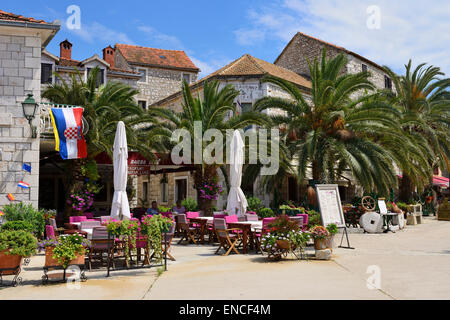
(77, 219)
(267, 221)
(190, 215)
(305, 219)
(220, 216)
(50, 232)
(231, 219)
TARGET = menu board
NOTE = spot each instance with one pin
(330, 204)
(382, 206)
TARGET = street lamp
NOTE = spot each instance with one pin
(29, 110)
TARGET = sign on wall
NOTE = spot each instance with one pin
(330, 205)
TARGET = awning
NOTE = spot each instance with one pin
(441, 181)
(437, 181)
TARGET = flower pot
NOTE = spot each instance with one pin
(330, 242)
(283, 244)
(51, 262)
(9, 262)
(322, 244)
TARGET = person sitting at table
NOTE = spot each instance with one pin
(154, 209)
(179, 208)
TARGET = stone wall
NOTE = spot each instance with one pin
(20, 73)
(303, 48)
(160, 84)
(154, 191)
(296, 56)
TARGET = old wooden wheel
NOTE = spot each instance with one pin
(368, 203)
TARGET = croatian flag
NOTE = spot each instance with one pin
(67, 127)
(23, 185)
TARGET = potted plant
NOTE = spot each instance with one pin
(153, 227)
(14, 246)
(189, 204)
(284, 235)
(321, 235)
(26, 212)
(125, 229)
(66, 250)
(333, 230)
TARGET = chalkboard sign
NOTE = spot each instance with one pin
(330, 205)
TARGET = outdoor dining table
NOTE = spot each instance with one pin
(203, 222)
(248, 228)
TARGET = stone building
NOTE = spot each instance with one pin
(21, 43)
(156, 73)
(161, 71)
(303, 47)
(245, 74)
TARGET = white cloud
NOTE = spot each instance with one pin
(409, 28)
(95, 31)
(161, 39)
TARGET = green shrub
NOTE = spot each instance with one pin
(266, 213)
(19, 242)
(190, 204)
(254, 204)
(314, 218)
(23, 212)
(164, 209)
(403, 206)
(17, 225)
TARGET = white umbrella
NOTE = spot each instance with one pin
(120, 207)
(237, 203)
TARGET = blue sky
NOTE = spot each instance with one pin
(213, 33)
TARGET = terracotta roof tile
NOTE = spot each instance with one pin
(248, 65)
(157, 57)
(251, 66)
(19, 18)
(68, 63)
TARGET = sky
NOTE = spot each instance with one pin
(213, 33)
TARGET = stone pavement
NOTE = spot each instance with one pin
(413, 264)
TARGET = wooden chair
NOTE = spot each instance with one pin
(169, 237)
(188, 233)
(228, 238)
(55, 228)
(99, 245)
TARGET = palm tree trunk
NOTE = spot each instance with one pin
(315, 171)
(406, 189)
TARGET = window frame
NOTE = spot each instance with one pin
(186, 74)
(51, 72)
(146, 75)
(146, 105)
(387, 82)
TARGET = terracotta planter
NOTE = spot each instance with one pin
(9, 262)
(322, 244)
(283, 244)
(51, 262)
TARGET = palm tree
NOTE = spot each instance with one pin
(215, 109)
(104, 106)
(423, 99)
(333, 131)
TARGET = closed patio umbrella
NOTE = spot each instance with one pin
(120, 207)
(237, 203)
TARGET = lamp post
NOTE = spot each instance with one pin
(29, 110)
